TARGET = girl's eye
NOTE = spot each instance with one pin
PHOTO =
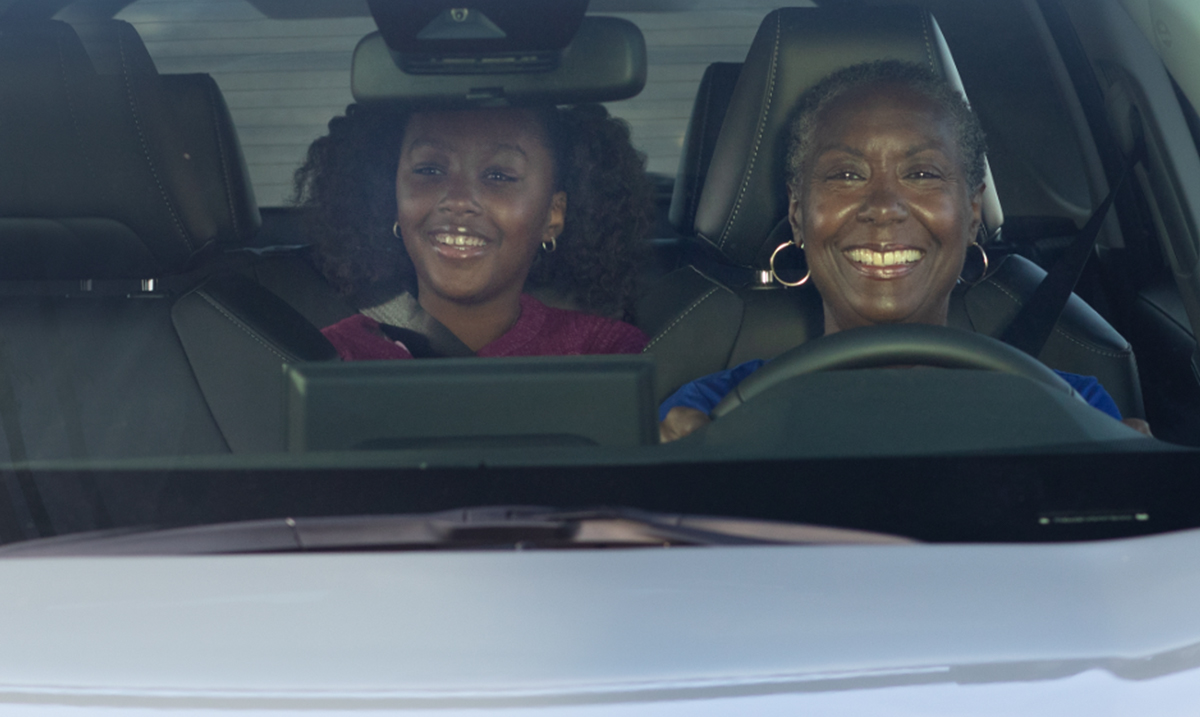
(428, 170)
(496, 175)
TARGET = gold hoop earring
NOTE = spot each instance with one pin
(776, 277)
(983, 274)
(550, 246)
(396, 230)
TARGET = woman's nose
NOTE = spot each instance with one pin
(883, 202)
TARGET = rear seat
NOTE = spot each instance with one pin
(130, 329)
(202, 120)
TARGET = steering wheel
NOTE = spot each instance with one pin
(892, 345)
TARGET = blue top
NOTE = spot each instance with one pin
(706, 392)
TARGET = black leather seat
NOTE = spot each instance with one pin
(722, 309)
(704, 126)
(201, 119)
(128, 329)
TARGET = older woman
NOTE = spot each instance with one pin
(885, 178)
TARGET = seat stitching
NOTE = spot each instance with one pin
(241, 325)
(681, 317)
(925, 31)
(137, 122)
(1093, 349)
(737, 205)
(1004, 290)
(1059, 330)
(212, 106)
(62, 66)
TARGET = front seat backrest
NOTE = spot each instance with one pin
(236, 334)
(744, 194)
(109, 213)
(743, 199)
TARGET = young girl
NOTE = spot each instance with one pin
(435, 223)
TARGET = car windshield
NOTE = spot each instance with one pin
(177, 227)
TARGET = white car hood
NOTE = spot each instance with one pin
(1087, 628)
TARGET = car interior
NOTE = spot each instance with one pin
(144, 314)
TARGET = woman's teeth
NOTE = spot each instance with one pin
(458, 240)
(884, 258)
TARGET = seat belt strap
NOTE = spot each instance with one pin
(402, 319)
(1031, 327)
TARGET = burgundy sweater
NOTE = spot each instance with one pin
(540, 331)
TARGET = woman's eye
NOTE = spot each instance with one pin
(843, 175)
(924, 174)
(496, 175)
(427, 170)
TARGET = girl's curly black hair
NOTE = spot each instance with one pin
(347, 187)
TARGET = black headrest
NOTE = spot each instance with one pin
(605, 61)
(115, 47)
(744, 194)
(205, 130)
(98, 180)
(704, 126)
(201, 121)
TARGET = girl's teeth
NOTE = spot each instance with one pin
(459, 240)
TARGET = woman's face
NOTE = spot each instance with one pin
(475, 199)
(884, 210)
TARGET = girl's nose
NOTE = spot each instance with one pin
(459, 196)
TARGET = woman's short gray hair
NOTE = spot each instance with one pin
(971, 143)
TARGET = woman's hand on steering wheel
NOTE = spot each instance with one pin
(680, 421)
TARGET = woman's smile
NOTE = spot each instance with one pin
(888, 262)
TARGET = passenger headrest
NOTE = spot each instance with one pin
(744, 195)
(98, 180)
(201, 121)
(605, 61)
(115, 47)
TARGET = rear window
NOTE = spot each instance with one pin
(285, 76)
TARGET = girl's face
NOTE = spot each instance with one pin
(475, 198)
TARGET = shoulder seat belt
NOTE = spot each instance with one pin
(402, 319)
(1031, 327)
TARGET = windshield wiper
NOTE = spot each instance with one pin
(493, 527)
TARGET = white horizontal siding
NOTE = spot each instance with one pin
(285, 79)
